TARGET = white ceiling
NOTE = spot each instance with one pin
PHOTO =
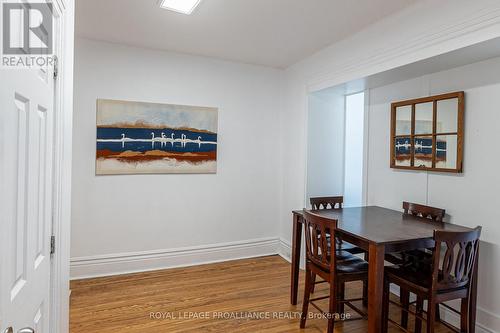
(274, 33)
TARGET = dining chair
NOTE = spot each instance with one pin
(427, 213)
(418, 259)
(337, 202)
(421, 257)
(432, 213)
(448, 279)
(336, 272)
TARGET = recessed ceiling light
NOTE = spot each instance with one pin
(180, 6)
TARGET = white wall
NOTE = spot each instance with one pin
(470, 198)
(325, 139)
(118, 217)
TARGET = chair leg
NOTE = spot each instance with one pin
(313, 282)
(365, 285)
(305, 304)
(332, 309)
(340, 298)
(404, 298)
(464, 316)
(438, 313)
(420, 311)
(365, 293)
(385, 307)
(431, 316)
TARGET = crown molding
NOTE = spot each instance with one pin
(475, 27)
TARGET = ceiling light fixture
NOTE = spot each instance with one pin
(180, 6)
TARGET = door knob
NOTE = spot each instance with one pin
(9, 330)
(26, 330)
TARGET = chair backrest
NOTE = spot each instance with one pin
(317, 234)
(461, 251)
(432, 213)
(327, 202)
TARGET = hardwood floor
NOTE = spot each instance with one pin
(176, 300)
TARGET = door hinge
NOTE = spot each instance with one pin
(56, 66)
(52, 245)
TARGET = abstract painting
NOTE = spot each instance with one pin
(148, 138)
(423, 151)
(402, 151)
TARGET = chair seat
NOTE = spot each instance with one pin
(352, 265)
(349, 263)
(420, 255)
(419, 278)
(395, 258)
(420, 258)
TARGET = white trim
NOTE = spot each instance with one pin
(55, 276)
(63, 106)
(285, 250)
(133, 262)
(457, 33)
(453, 318)
(305, 202)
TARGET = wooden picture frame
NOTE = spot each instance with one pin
(426, 136)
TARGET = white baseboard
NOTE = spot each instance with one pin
(125, 263)
(454, 319)
(285, 250)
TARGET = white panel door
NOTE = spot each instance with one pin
(26, 133)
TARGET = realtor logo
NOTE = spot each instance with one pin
(27, 28)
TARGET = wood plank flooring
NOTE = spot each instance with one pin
(197, 299)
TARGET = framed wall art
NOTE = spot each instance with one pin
(142, 138)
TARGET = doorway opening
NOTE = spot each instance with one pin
(335, 145)
(354, 149)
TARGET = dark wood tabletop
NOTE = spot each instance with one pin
(384, 226)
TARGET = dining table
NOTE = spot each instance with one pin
(378, 231)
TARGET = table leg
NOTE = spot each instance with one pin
(375, 288)
(296, 243)
(473, 298)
